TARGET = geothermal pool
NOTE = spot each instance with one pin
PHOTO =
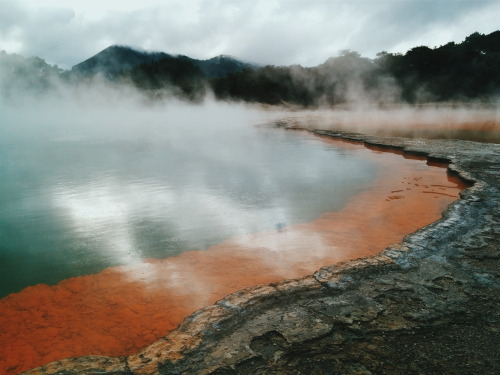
(76, 199)
(116, 225)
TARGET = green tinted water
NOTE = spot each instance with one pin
(85, 189)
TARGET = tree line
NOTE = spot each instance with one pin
(464, 71)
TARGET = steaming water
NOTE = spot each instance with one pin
(84, 188)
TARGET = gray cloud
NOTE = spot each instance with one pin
(274, 32)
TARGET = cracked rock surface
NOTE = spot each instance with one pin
(429, 305)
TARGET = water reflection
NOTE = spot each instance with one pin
(116, 187)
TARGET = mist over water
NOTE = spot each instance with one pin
(106, 180)
(480, 123)
(97, 176)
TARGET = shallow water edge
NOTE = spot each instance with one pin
(433, 299)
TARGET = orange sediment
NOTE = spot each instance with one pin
(123, 309)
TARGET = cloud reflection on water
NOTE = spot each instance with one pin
(114, 183)
(110, 210)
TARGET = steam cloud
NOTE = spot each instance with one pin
(393, 95)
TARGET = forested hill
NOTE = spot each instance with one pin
(464, 71)
(116, 61)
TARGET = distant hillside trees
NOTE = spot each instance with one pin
(20, 75)
(464, 71)
(171, 75)
(157, 74)
(453, 72)
(271, 84)
(339, 80)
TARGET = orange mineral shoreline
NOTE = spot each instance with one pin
(123, 309)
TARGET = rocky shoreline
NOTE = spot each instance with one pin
(429, 305)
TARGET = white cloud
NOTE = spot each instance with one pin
(277, 32)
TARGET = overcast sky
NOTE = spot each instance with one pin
(280, 32)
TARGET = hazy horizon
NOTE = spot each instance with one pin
(262, 32)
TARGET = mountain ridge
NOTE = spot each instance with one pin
(455, 72)
(114, 59)
(117, 59)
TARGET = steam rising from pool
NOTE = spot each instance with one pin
(435, 121)
(93, 183)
